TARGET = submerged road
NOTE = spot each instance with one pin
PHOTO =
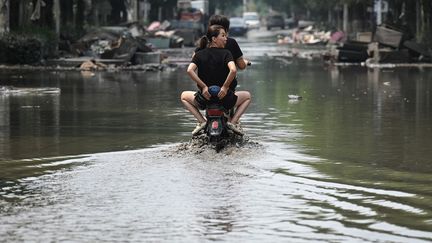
(108, 157)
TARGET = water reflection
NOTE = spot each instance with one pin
(4, 124)
(124, 104)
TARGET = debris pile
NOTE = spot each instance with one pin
(386, 45)
(130, 45)
(111, 46)
(307, 36)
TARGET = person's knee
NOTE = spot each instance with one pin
(245, 96)
(185, 96)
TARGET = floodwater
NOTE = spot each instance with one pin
(106, 157)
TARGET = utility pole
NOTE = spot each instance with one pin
(245, 2)
(4, 16)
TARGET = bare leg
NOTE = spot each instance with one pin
(243, 101)
(188, 100)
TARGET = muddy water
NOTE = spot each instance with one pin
(109, 158)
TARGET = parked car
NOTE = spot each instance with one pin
(252, 20)
(290, 22)
(237, 26)
(305, 23)
(275, 21)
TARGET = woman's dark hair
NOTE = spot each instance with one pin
(220, 20)
(212, 31)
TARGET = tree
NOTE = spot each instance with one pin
(4, 16)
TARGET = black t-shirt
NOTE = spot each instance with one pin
(236, 53)
(234, 48)
(212, 65)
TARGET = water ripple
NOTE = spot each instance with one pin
(266, 193)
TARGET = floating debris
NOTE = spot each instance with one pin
(295, 97)
(10, 90)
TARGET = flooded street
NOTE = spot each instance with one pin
(104, 158)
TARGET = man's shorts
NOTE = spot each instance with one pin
(228, 101)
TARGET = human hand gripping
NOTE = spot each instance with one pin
(223, 91)
(206, 93)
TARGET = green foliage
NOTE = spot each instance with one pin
(46, 36)
(42, 33)
(71, 33)
(227, 7)
(28, 45)
(20, 49)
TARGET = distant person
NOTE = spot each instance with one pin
(212, 64)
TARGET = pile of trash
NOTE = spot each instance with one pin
(114, 42)
(308, 36)
(385, 45)
(129, 45)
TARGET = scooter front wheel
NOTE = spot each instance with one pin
(216, 142)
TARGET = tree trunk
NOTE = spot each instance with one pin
(4, 16)
(27, 11)
(132, 10)
(345, 17)
(57, 16)
(418, 20)
(67, 12)
(80, 15)
(146, 10)
(424, 22)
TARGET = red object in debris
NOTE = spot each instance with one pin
(154, 26)
(337, 36)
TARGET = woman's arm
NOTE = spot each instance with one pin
(231, 75)
(191, 70)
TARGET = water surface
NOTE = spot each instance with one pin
(100, 161)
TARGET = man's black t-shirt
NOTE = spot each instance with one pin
(212, 65)
(232, 46)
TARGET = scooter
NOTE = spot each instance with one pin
(217, 117)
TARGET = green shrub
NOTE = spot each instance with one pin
(21, 49)
(28, 45)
